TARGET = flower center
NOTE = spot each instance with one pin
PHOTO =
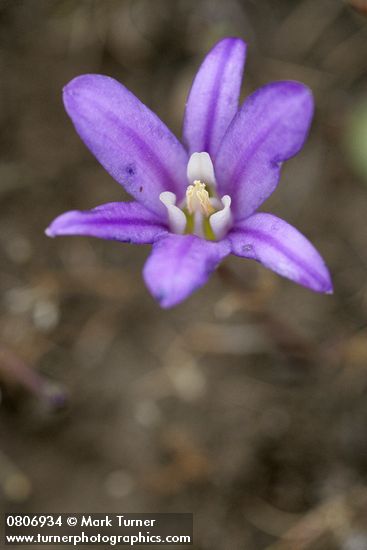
(201, 213)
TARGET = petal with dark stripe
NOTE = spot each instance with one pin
(281, 248)
(128, 139)
(118, 221)
(180, 264)
(270, 128)
(213, 98)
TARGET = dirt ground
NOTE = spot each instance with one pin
(247, 404)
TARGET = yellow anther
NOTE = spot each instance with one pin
(197, 199)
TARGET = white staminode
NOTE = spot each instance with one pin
(221, 221)
(177, 219)
(199, 205)
(200, 168)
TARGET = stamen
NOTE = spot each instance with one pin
(197, 199)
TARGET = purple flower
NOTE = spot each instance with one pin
(196, 203)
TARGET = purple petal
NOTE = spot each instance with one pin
(179, 264)
(213, 98)
(270, 127)
(282, 248)
(130, 141)
(118, 221)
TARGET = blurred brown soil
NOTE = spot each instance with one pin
(246, 405)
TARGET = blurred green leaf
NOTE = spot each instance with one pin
(355, 140)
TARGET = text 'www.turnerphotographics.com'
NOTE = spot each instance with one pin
(104, 529)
